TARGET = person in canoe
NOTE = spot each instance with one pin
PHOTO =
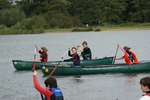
(129, 56)
(51, 91)
(75, 57)
(86, 51)
(43, 54)
(145, 87)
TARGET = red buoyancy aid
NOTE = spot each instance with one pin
(43, 56)
(134, 58)
(127, 59)
(148, 94)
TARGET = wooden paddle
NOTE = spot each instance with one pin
(54, 69)
(34, 59)
(115, 54)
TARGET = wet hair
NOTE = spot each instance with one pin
(126, 48)
(73, 48)
(51, 82)
(145, 82)
(44, 48)
(84, 43)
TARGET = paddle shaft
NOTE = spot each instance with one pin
(54, 69)
(52, 72)
(34, 59)
(115, 54)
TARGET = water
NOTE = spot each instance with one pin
(18, 85)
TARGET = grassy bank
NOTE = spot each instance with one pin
(128, 26)
(106, 27)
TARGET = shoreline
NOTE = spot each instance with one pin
(104, 28)
(121, 27)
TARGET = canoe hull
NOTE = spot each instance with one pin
(102, 69)
(27, 65)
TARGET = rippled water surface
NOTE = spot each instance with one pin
(18, 85)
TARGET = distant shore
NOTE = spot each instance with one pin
(107, 27)
(121, 27)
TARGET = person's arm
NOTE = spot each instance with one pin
(38, 87)
(69, 53)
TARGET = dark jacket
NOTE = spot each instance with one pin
(86, 54)
(75, 58)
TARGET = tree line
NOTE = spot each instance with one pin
(29, 16)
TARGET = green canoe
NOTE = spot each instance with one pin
(27, 65)
(100, 69)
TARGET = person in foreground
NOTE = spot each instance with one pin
(51, 91)
(86, 51)
(43, 54)
(145, 87)
(75, 57)
(129, 56)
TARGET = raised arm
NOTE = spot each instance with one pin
(38, 87)
(69, 53)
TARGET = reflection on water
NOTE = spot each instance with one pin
(78, 79)
(18, 85)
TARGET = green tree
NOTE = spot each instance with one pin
(60, 20)
(5, 4)
(111, 11)
(141, 11)
(11, 16)
(87, 10)
(38, 7)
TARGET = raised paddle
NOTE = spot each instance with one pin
(115, 54)
(34, 59)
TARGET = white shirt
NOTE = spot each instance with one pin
(145, 97)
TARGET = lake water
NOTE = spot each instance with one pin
(18, 85)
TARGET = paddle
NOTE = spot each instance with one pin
(34, 65)
(122, 49)
(63, 55)
(34, 59)
(54, 69)
(115, 54)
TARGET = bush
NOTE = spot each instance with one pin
(10, 17)
(36, 24)
(97, 29)
(82, 29)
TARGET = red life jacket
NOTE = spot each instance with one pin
(148, 94)
(134, 58)
(43, 56)
(128, 60)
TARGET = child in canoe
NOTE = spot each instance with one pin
(75, 57)
(86, 51)
(43, 54)
(129, 56)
